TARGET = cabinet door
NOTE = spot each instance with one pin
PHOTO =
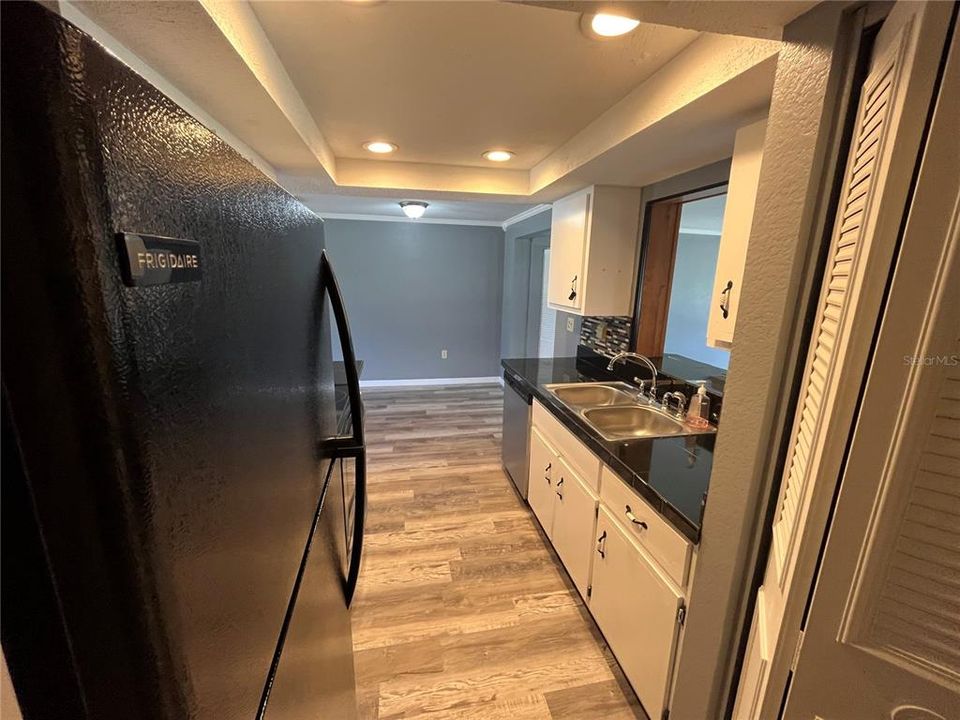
(568, 235)
(737, 221)
(574, 521)
(540, 493)
(636, 609)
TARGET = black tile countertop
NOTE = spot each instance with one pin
(672, 474)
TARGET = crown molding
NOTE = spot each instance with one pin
(420, 221)
(535, 210)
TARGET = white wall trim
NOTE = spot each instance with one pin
(492, 380)
(535, 210)
(422, 221)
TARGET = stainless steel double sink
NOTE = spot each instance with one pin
(615, 410)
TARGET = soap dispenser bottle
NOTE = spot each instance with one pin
(699, 409)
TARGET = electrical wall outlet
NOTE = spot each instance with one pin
(570, 324)
(443, 354)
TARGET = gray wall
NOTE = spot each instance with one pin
(413, 289)
(516, 283)
(516, 289)
(690, 295)
(566, 341)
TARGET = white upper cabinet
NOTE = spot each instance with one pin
(737, 221)
(593, 250)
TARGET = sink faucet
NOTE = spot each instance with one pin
(681, 402)
(646, 361)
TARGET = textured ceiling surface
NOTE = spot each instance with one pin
(448, 80)
(298, 87)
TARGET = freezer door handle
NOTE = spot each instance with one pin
(331, 289)
(353, 446)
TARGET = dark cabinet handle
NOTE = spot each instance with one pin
(725, 299)
(633, 518)
(545, 471)
(559, 485)
(573, 288)
(601, 544)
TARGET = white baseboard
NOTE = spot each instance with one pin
(432, 381)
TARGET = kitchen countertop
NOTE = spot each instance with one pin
(671, 473)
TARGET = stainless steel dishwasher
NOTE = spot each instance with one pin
(516, 432)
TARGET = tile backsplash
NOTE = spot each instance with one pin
(606, 335)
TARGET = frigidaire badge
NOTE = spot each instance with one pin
(152, 260)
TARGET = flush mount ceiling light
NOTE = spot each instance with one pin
(414, 209)
(498, 155)
(379, 147)
(603, 26)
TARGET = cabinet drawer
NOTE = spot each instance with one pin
(668, 547)
(578, 457)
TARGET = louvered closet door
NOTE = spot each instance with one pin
(883, 636)
(876, 182)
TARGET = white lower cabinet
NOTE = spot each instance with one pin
(574, 520)
(626, 561)
(540, 491)
(637, 609)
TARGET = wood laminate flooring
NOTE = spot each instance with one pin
(462, 610)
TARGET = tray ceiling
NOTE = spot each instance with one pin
(298, 87)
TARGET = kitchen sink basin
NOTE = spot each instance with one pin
(581, 395)
(633, 421)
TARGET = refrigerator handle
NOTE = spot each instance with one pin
(359, 512)
(330, 287)
(355, 445)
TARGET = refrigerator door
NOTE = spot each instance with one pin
(170, 433)
(310, 663)
(314, 677)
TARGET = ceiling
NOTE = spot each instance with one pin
(762, 20)
(298, 87)
(447, 81)
(441, 209)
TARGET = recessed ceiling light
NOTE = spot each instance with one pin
(380, 147)
(414, 209)
(609, 26)
(498, 155)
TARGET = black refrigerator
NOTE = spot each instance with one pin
(180, 537)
